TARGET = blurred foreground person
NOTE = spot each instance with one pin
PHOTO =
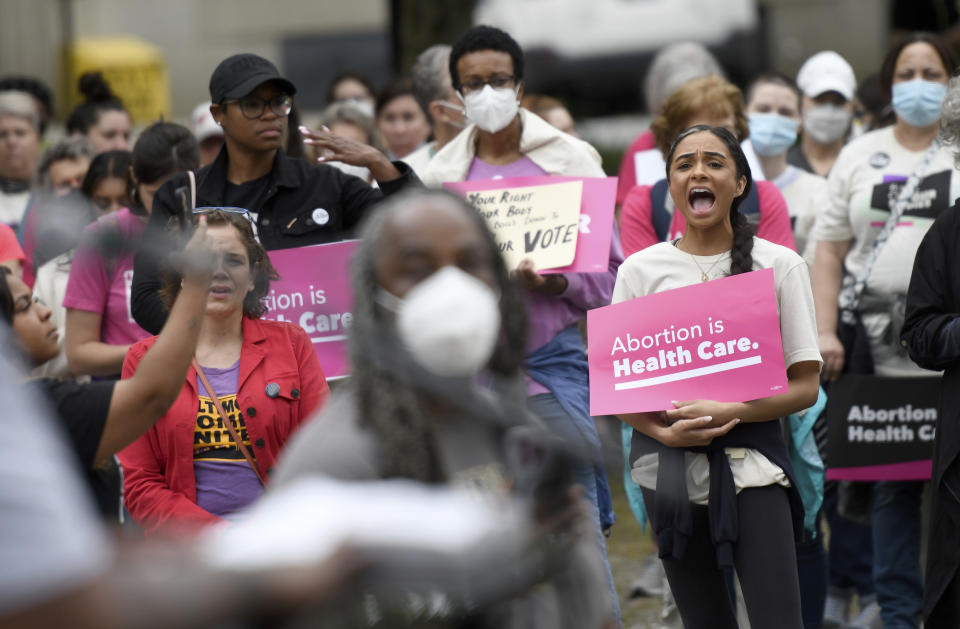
(932, 334)
(57, 565)
(436, 314)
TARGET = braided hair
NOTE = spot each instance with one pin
(741, 258)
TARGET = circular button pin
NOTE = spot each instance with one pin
(273, 390)
(320, 216)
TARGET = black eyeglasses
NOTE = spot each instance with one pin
(253, 107)
(496, 81)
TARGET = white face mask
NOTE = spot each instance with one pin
(491, 109)
(826, 123)
(449, 322)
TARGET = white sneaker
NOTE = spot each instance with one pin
(651, 579)
(836, 611)
(868, 618)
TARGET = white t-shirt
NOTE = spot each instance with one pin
(806, 196)
(420, 158)
(863, 185)
(13, 205)
(662, 267)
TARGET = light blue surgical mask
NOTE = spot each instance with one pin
(917, 102)
(772, 134)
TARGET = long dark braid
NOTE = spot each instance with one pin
(741, 254)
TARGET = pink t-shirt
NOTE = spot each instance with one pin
(9, 246)
(102, 275)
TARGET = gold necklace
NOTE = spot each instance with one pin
(704, 277)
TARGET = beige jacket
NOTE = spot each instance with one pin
(549, 148)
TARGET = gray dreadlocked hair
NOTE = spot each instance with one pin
(390, 388)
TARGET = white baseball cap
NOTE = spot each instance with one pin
(827, 72)
(202, 123)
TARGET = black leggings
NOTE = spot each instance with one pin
(765, 559)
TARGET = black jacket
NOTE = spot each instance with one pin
(933, 300)
(284, 219)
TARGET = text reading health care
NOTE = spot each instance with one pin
(676, 347)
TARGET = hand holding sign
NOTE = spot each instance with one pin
(719, 340)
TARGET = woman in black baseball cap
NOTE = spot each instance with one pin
(291, 203)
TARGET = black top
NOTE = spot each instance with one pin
(933, 302)
(82, 410)
(303, 204)
(673, 525)
(795, 157)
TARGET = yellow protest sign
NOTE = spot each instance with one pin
(540, 222)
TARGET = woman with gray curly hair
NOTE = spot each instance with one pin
(435, 315)
(931, 332)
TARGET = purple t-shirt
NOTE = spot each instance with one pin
(225, 481)
(101, 283)
(548, 315)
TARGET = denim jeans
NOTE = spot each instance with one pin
(851, 549)
(548, 409)
(812, 571)
(896, 553)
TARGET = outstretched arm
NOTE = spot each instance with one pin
(147, 393)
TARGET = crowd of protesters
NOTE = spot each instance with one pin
(133, 272)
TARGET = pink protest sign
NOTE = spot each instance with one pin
(596, 215)
(718, 340)
(314, 292)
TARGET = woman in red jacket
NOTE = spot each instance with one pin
(187, 471)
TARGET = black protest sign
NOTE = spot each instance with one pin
(878, 426)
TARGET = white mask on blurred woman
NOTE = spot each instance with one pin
(492, 108)
(449, 322)
(826, 123)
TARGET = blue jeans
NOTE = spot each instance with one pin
(896, 553)
(548, 409)
(812, 573)
(851, 549)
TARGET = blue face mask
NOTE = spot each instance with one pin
(772, 134)
(917, 102)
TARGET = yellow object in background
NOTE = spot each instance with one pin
(134, 68)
